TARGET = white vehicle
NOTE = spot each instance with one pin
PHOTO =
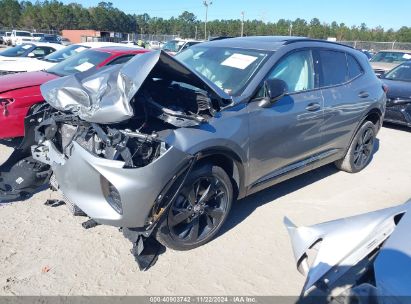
(128, 42)
(6, 38)
(154, 45)
(173, 47)
(20, 37)
(29, 64)
(37, 36)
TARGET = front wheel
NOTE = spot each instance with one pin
(361, 150)
(199, 210)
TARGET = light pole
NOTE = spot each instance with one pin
(291, 29)
(206, 3)
(242, 24)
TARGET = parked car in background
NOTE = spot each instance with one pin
(29, 64)
(20, 37)
(173, 47)
(6, 38)
(398, 82)
(37, 36)
(154, 45)
(175, 140)
(19, 92)
(50, 39)
(27, 50)
(128, 42)
(385, 61)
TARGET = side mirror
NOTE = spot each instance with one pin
(275, 89)
(31, 55)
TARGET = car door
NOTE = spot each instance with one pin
(288, 133)
(345, 95)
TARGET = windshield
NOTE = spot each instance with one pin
(17, 51)
(38, 35)
(65, 53)
(23, 34)
(229, 69)
(402, 73)
(173, 46)
(79, 63)
(391, 57)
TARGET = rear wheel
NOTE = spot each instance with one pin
(360, 152)
(199, 210)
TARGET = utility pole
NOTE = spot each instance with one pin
(291, 29)
(242, 24)
(196, 34)
(206, 3)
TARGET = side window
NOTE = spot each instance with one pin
(333, 68)
(121, 60)
(354, 68)
(296, 70)
(39, 52)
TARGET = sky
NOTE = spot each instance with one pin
(388, 14)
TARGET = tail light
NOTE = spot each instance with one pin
(385, 88)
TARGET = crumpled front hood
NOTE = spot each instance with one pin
(104, 96)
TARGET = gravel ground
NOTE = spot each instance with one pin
(45, 251)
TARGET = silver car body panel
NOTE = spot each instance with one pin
(80, 180)
(344, 243)
(392, 267)
(105, 96)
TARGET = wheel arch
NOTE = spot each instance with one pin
(231, 163)
(374, 115)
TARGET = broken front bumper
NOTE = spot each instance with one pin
(93, 183)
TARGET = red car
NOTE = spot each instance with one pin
(19, 92)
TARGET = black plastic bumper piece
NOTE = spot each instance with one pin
(145, 249)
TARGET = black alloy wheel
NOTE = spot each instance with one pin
(199, 210)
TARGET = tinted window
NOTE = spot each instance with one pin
(17, 51)
(391, 57)
(333, 67)
(66, 53)
(121, 60)
(354, 68)
(402, 73)
(296, 70)
(42, 51)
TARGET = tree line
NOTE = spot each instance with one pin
(55, 15)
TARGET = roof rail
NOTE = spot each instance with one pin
(316, 40)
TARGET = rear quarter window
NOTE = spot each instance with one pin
(354, 68)
(333, 68)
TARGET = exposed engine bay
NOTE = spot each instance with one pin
(136, 141)
(130, 132)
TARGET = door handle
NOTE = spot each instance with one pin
(364, 94)
(313, 107)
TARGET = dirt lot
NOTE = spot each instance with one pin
(45, 251)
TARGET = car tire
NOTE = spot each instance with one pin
(360, 151)
(199, 211)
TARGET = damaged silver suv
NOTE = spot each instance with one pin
(162, 146)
